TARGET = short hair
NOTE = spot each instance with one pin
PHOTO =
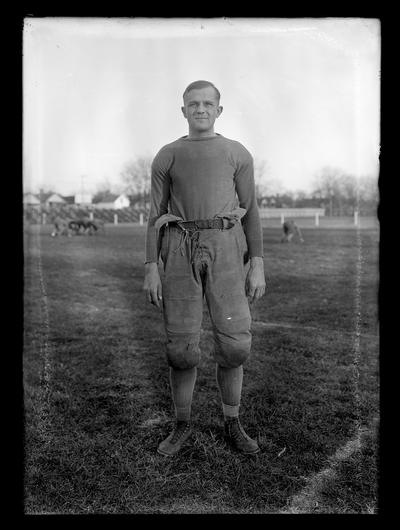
(201, 84)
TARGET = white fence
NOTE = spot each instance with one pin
(291, 212)
(141, 219)
(283, 213)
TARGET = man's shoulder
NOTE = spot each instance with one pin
(167, 151)
(235, 146)
(171, 146)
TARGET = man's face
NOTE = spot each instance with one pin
(201, 109)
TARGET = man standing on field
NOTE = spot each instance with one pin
(205, 226)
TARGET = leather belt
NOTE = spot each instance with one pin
(203, 224)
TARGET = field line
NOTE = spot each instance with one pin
(357, 325)
(45, 376)
(288, 325)
(308, 499)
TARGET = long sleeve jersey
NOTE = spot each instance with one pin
(199, 179)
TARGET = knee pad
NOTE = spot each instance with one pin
(183, 353)
(233, 353)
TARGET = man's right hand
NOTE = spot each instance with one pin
(152, 284)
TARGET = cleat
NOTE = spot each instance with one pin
(173, 443)
(238, 439)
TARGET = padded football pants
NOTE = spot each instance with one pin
(206, 263)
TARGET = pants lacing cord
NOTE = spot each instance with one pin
(188, 235)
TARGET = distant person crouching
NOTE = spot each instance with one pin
(61, 227)
(290, 229)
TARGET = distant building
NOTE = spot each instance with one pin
(30, 199)
(69, 199)
(83, 198)
(54, 199)
(113, 202)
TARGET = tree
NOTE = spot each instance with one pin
(265, 184)
(326, 186)
(298, 198)
(344, 192)
(368, 195)
(338, 188)
(104, 190)
(136, 176)
(368, 188)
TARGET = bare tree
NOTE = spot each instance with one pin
(136, 178)
(104, 190)
(327, 186)
(368, 188)
(349, 192)
(368, 194)
(298, 197)
(344, 192)
(264, 182)
(104, 185)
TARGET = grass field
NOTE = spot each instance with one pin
(96, 391)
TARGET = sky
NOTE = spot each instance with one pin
(299, 94)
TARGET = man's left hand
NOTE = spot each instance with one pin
(255, 280)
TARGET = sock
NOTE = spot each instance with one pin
(230, 387)
(182, 386)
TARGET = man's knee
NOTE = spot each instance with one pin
(233, 353)
(183, 352)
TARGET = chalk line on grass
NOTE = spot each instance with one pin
(357, 332)
(45, 376)
(309, 498)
